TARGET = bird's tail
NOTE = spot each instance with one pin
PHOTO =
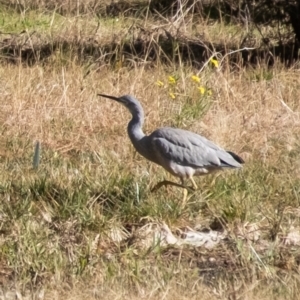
(236, 157)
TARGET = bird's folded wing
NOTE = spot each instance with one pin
(190, 149)
(183, 149)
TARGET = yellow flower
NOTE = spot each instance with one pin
(202, 90)
(159, 83)
(196, 78)
(172, 95)
(214, 62)
(172, 80)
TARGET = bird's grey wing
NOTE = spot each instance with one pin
(188, 148)
(177, 146)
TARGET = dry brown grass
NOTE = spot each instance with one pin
(58, 106)
(243, 109)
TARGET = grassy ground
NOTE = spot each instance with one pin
(82, 225)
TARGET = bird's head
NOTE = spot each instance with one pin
(131, 103)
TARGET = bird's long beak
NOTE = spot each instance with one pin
(110, 97)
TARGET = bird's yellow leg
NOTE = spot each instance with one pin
(164, 183)
(194, 183)
(185, 193)
(184, 200)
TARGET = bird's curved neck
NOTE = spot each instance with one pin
(134, 128)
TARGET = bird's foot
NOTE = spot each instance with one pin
(165, 183)
(191, 188)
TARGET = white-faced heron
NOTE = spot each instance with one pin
(181, 152)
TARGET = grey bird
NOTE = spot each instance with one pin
(182, 153)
